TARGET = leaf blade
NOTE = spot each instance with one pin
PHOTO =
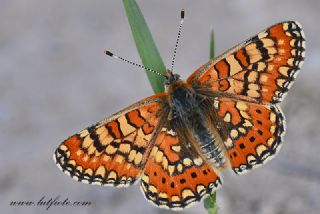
(145, 44)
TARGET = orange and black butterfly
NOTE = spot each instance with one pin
(226, 114)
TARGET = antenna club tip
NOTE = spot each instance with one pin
(108, 53)
(182, 13)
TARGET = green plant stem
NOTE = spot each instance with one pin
(147, 49)
(212, 46)
(210, 203)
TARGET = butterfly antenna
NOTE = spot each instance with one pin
(108, 53)
(178, 38)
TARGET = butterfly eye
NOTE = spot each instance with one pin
(176, 76)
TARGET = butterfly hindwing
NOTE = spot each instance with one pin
(260, 69)
(113, 151)
(255, 132)
(173, 178)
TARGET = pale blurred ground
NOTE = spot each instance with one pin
(55, 80)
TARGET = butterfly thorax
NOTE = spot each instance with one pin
(186, 115)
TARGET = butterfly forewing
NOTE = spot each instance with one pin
(260, 69)
(113, 151)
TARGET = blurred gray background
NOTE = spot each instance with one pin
(55, 80)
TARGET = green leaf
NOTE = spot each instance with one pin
(147, 49)
(210, 203)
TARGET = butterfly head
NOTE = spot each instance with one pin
(170, 78)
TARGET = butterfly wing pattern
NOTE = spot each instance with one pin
(255, 133)
(174, 177)
(261, 69)
(253, 77)
(113, 151)
(241, 89)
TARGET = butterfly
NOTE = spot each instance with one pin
(225, 115)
